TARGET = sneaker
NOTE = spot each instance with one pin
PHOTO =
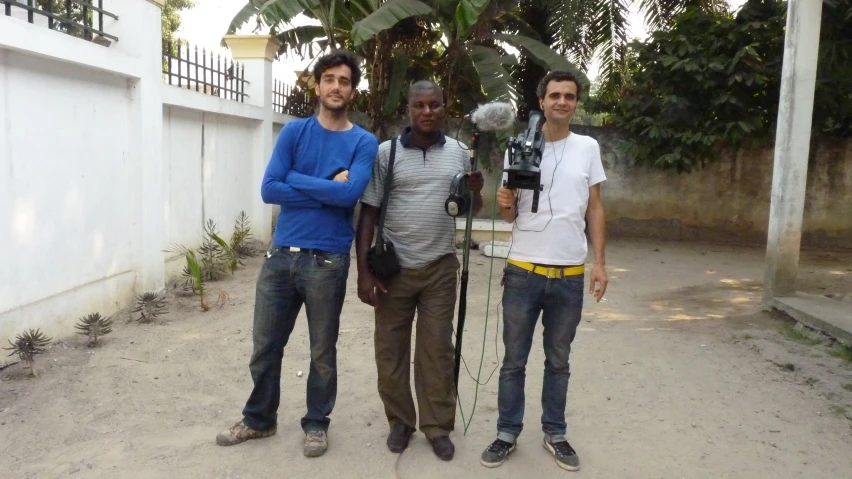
(565, 455)
(496, 454)
(239, 432)
(316, 443)
(399, 437)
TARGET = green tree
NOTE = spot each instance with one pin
(458, 42)
(711, 80)
(833, 96)
(170, 17)
(74, 12)
(583, 29)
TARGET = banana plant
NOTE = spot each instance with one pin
(472, 33)
(461, 43)
(338, 29)
(468, 57)
(335, 19)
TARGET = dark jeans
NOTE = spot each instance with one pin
(560, 303)
(286, 281)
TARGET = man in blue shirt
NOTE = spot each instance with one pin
(319, 169)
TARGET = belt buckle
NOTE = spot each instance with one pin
(551, 272)
(295, 249)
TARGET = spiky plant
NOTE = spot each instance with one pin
(94, 326)
(213, 257)
(241, 237)
(149, 306)
(27, 345)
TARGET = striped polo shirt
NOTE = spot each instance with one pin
(416, 222)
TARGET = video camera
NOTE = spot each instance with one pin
(525, 152)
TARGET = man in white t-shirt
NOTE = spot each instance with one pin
(545, 270)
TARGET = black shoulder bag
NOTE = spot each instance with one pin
(382, 257)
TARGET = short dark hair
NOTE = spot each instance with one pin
(557, 76)
(337, 58)
(425, 85)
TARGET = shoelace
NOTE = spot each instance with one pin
(499, 446)
(563, 448)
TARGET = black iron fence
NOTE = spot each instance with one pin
(79, 18)
(203, 71)
(290, 100)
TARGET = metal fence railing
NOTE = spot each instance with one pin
(203, 71)
(291, 101)
(79, 18)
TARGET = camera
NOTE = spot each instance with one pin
(525, 152)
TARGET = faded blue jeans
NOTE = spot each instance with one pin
(559, 301)
(285, 282)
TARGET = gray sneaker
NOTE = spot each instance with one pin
(496, 454)
(316, 443)
(565, 455)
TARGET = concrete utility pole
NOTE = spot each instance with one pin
(792, 143)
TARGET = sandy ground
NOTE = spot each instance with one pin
(678, 374)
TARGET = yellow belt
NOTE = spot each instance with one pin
(549, 271)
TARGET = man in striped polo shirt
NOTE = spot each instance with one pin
(423, 234)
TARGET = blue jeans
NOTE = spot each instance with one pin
(526, 295)
(285, 282)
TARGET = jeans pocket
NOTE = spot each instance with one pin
(575, 283)
(329, 261)
(515, 277)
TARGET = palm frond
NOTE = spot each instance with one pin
(303, 39)
(545, 56)
(568, 22)
(467, 15)
(608, 36)
(399, 69)
(389, 14)
(490, 65)
(249, 11)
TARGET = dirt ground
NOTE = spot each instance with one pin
(677, 374)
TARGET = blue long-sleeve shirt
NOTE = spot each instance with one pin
(316, 211)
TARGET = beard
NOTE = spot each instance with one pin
(334, 107)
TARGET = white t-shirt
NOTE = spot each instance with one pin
(555, 234)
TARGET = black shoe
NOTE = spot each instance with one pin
(398, 437)
(496, 454)
(565, 455)
(443, 447)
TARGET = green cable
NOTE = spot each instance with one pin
(484, 329)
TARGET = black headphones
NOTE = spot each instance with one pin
(458, 203)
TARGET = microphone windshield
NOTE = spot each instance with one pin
(495, 116)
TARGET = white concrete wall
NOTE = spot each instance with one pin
(208, 157)
(102, 167)
(209, 147)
